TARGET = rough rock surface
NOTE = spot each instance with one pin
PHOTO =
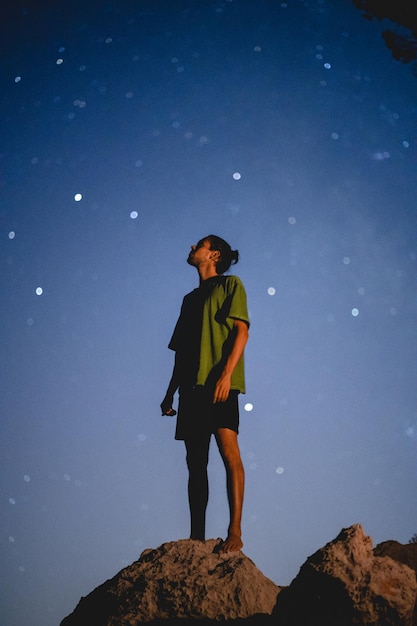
(181, 580)
(344, 584)
(404, 553)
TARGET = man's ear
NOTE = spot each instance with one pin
(215, 255)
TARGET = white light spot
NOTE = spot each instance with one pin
(346, 260)
(174, 60)
(381, 156)
(327, 66)
(30, 321)
(355, 312)
(180, 69)
(257, 48)
(175, 124)
(129, 95)
(237, 176)
(12, 234)
(138, 163)
(67, 477)
(109, 39)
(410, 432)
(335, 135)
(59, 61)
(233, 208)
(78, 197)
(17, 79)
(61, 50)
(133, 215)
(319, 57)
(26, 478)
(39, 291)
(12, 501)
(34, 160)
(248, 406)
(82, 68)
(21, 569)
(292, 220)
(271, 291)
(279, 470)
(11, 539)
(361, 291)
(406, 144)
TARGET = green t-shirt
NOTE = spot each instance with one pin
(203, 334)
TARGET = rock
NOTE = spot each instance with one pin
(344, 584)
(181, 580)
(404, 553)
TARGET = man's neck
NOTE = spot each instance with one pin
(206, 272)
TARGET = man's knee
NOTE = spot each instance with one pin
(228, 446)
(197, 454)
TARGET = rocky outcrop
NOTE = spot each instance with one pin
(344, 584)
(406, 554)
(187, 582)
(182, 580)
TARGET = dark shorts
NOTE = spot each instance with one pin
(199, 417)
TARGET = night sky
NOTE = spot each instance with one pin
(129, 130)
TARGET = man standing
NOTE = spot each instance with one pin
(209, 341)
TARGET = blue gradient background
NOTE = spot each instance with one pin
(154, 107)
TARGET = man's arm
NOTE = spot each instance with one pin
(166, 404)
(241, 334)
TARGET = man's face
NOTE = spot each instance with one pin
(200, 253)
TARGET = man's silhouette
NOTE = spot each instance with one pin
(209, 341)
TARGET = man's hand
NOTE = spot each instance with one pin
(166, 406)
(222, 388)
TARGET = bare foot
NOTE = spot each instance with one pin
(232, 543)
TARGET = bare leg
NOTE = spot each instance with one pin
(197, 460)
(229, 450)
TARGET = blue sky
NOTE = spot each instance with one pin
(285, 128)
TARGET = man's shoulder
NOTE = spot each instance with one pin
(190, 298)
(229, 286)
(233, 281)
